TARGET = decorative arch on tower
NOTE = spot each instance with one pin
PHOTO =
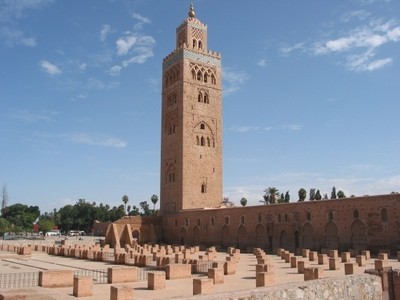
(202, 73)
(203, 135)
(170, 175)
(172, 75)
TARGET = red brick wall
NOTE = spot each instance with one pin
(349, 223)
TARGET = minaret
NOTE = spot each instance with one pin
(191, 127)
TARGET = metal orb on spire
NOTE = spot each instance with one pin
(191, 11)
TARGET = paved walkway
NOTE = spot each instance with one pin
(242, 280)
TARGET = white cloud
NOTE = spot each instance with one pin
(134, 42)
(115, 70)
(361, 45)
(355, 14)
(104, 31)
(96, 84)
(140, 57)
(83, 138)
(15, 9)
(14, 37)
(125, 44)
(293, 127)
(233, 80)
(244, 129)
(378, 64)
(262, 63)
(141, 18)
(289, 49)
(31, 117)
(49, 68)
(138, 47)
(82, 66)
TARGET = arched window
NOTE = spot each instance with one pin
(213, 143)
(187, 222)
(259, 218)
(242, 219)
(176, 222)
(213, 80)
(208, 141)
(212, 221)
(202, 141)
(279, 218)
(198, 222)
(199, 76)
(202, 126)
(200, 45)
(226, 220)
(355, 214)
(330, 215)
(308, 216)
(194, 43)
(193, 75)
(205, 77)
(206, 98)
(203, 188)
(384, 215)
(199, 97)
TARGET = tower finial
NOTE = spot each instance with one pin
(191, 11)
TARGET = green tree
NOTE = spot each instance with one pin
(333, 193)
(5, 226)
(318, 195)
(67, 218)
(243, 201)
(116, 213)
(302, 195)
(145, 208)
(4, 196)
(125, 199)
(265, 200)
(341, 194)
(287, 197)
(272, 193)
(46, 225)
(312, 194)
(21, 216)
(134, 211)
(154, 200)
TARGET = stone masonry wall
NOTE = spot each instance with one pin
(354, 287)
(369, 222)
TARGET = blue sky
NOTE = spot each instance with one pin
(311, 96)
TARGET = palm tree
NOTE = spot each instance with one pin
(154, 200)
(271, 193)
(125, 199)
(243, 201)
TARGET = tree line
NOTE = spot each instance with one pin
(80, 216)
(272, 195)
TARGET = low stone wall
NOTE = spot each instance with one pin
(360, 287)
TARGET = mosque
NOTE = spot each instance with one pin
(191, 177)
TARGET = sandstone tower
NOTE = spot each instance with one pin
(191, 125)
